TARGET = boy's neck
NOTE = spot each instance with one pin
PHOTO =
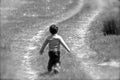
(53, 34)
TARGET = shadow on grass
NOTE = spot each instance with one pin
(50, 74)
(44, 74)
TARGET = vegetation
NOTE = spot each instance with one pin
(111, 27)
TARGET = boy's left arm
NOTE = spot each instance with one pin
(43, 46)
(64, 44)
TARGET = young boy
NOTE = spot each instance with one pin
(54, 41)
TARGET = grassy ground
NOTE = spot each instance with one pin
(70, 68)
(16, 62)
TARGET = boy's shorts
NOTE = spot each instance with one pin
(54, 60)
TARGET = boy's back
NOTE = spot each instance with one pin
(54, 42)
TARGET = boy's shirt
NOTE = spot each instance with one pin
(54, 42)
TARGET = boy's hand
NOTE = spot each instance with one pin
(70, 51)
(70, 54)
(41, 52)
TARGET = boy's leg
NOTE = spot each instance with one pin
(49, 66)
(56, 68)
(51, 61)
(56, 65)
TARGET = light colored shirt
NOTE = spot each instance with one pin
(54, 42)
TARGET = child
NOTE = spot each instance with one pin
(54, 41)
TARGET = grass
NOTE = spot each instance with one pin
(72, 67)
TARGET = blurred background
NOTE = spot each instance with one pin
(91, 28)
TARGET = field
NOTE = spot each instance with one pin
(83, 24)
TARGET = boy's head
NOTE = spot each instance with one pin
(53, 29)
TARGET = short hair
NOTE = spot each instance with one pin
(53, 29)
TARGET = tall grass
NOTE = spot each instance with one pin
(104, 37)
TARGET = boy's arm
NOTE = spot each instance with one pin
(64, 44)
(43, 46)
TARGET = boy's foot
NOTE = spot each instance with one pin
(50, 72)
(56, 71)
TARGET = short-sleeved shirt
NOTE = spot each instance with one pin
(54, 42)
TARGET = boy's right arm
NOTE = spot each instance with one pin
(64, 44)
(43, 46)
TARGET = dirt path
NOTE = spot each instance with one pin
(71, 67)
